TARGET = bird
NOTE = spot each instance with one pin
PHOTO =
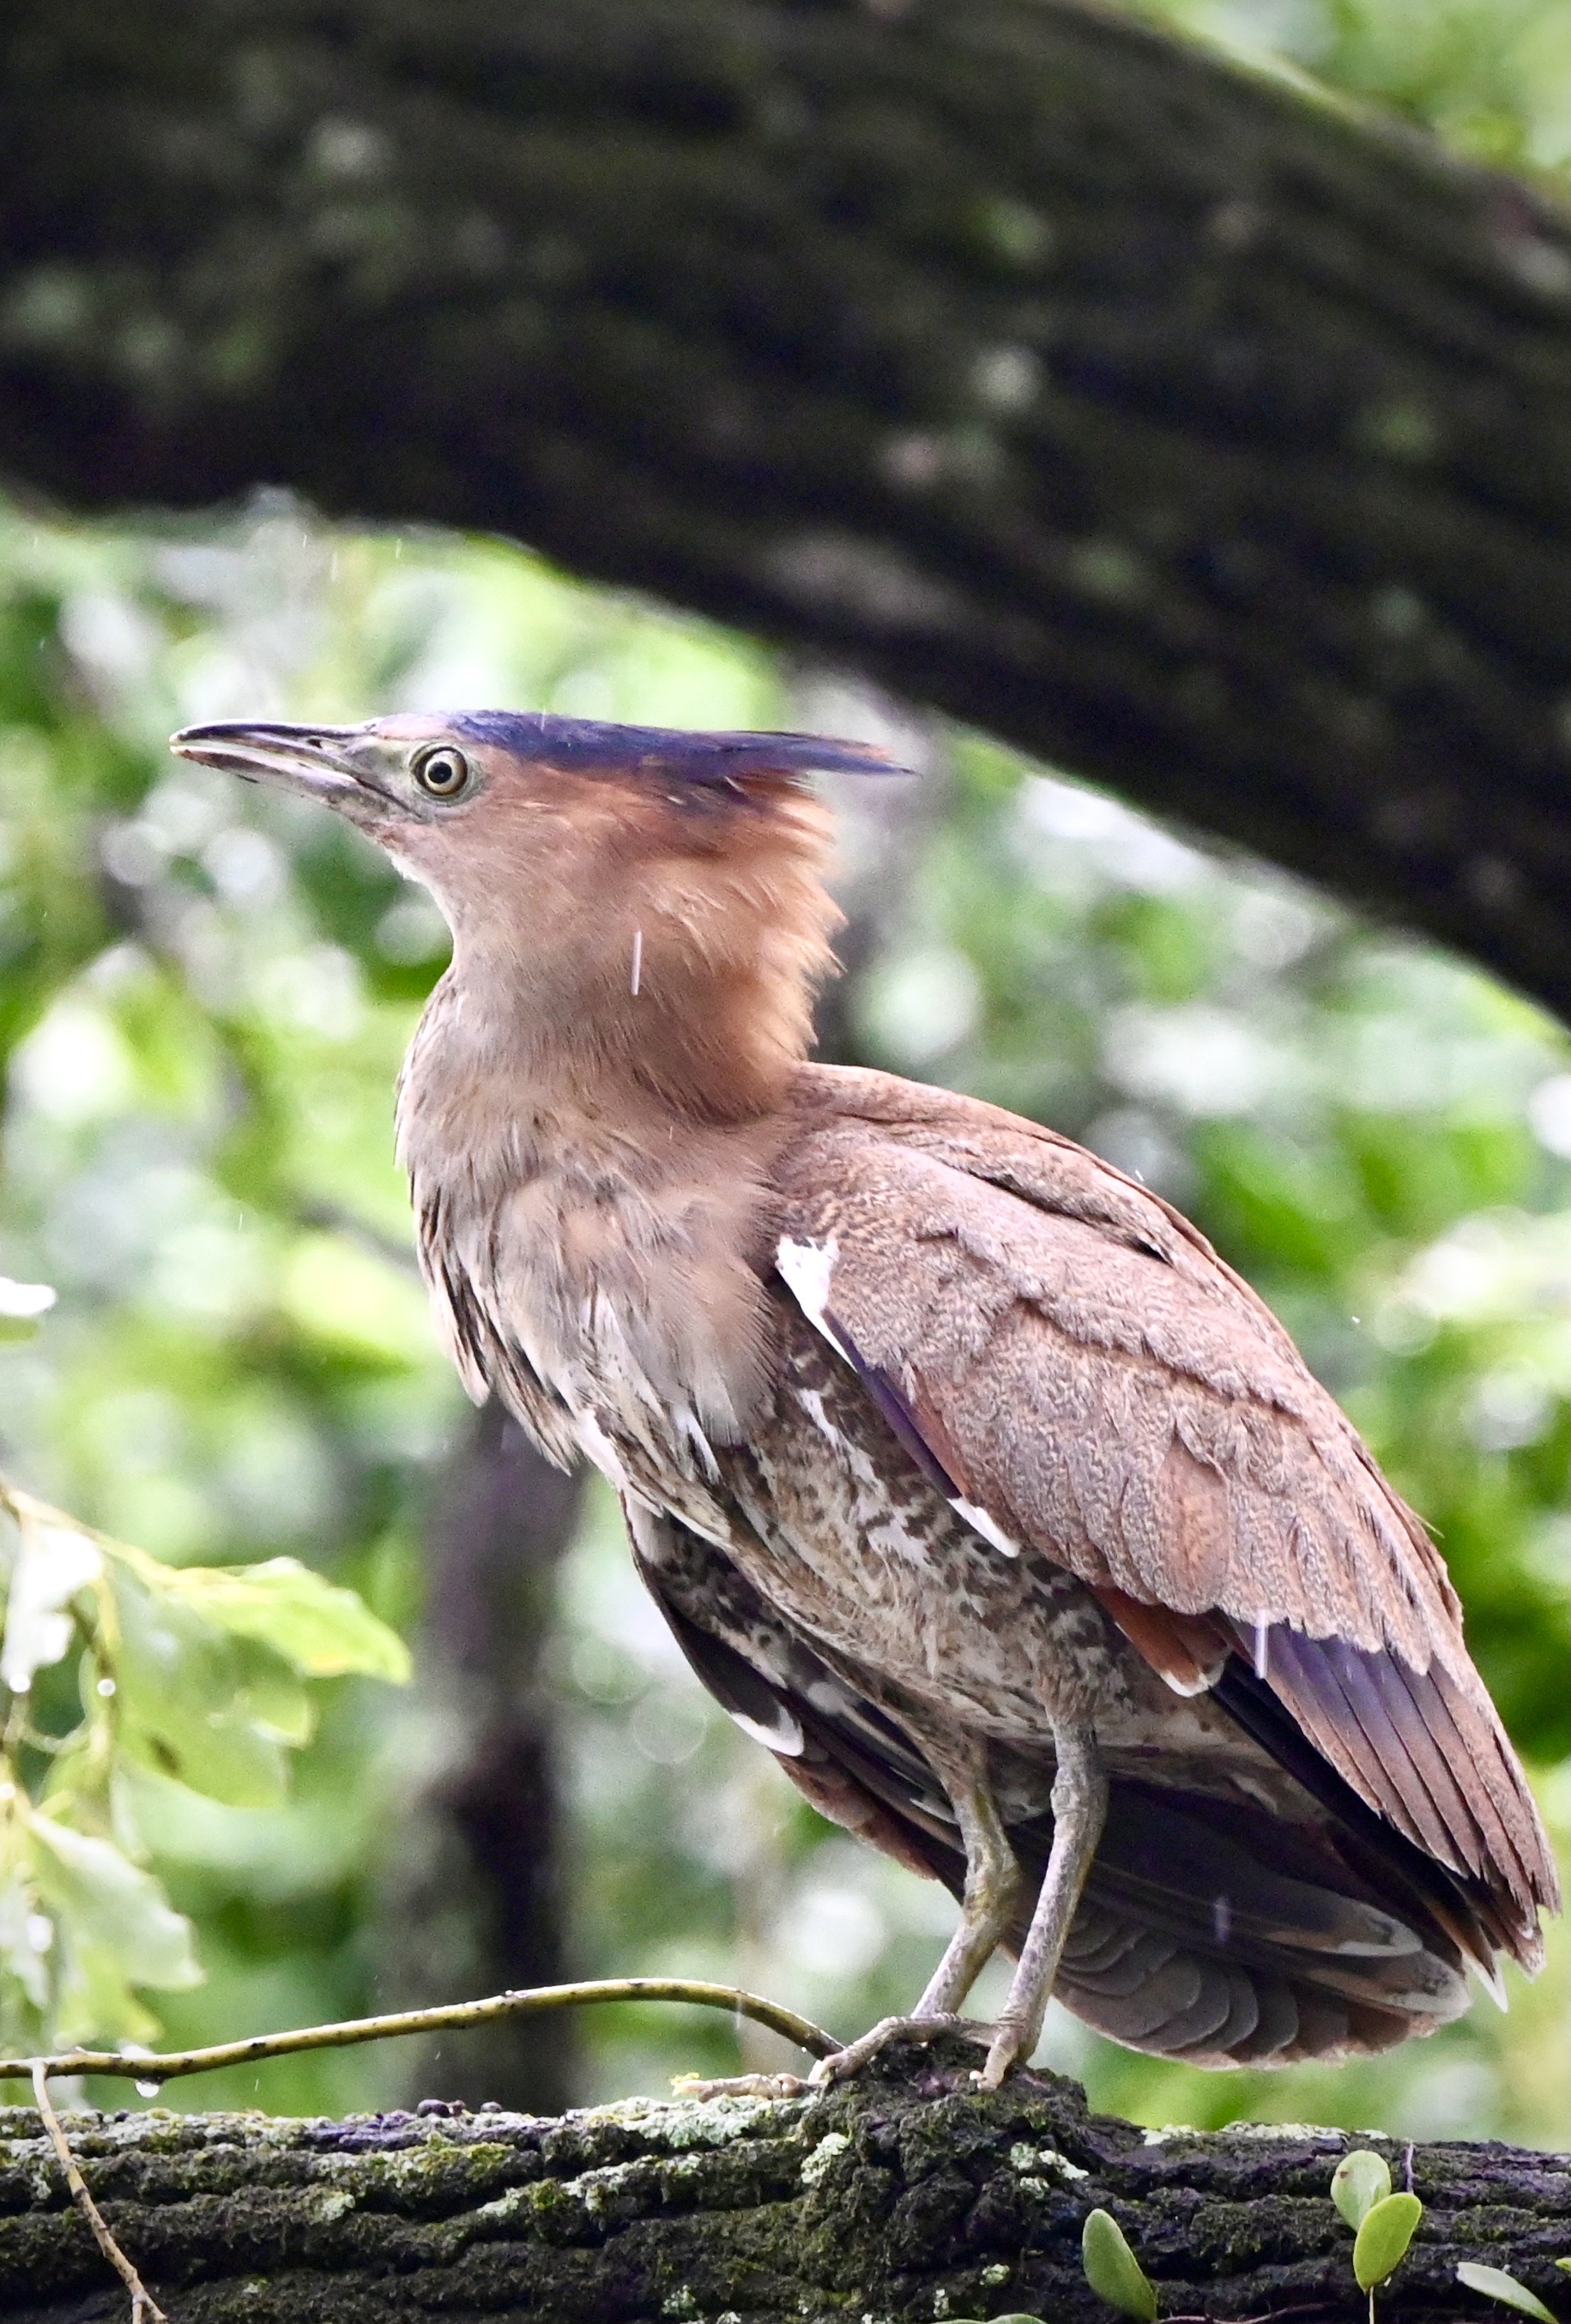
(969, 1479)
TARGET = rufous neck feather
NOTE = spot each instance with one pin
(599, 1082)
(666, 961)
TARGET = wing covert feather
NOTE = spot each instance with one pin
(1127, 1412)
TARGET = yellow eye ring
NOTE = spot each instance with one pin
(441, 773)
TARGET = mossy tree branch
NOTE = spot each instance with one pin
(1202, 436)
(892, 2198)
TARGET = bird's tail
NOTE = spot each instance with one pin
(1202, 1938)
(1207, 1931)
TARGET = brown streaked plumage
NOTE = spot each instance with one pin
(968, 1477)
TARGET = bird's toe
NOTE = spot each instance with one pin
(843, 2064)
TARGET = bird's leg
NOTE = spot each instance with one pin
(992, 1885)
(1080, 1812)
(987, 1901)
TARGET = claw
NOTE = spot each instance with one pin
(1007, 2049)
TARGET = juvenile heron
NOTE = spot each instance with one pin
(969, 1479)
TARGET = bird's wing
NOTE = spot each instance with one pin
(1075, 1363)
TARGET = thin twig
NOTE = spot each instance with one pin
(155, 2067)
(143, 2306)
(1271, 2315)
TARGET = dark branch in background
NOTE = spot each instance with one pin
(474, 1901)
(902, 2201)
(1203, 437)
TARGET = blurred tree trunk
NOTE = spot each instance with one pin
(1202, 435)
(898, 2201)
(474, 1903)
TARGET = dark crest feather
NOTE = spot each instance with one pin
(590, 746)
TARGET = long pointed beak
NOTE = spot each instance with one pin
(329, 763)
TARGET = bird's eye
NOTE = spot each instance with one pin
(443, 772)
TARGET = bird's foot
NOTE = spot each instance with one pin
(843, 2064)
(1005, 2044)
(741, 2086)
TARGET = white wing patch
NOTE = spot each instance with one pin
(979, 1521)
(601, 1449)
(805, 1270)
(1187, 1686)
(1492, 1982)
(785, 1737)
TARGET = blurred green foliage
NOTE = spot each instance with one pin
(204, 995)
(206, 990)
(125, 1682)
(1492, 77)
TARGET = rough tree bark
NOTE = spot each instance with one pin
(1200, 435)
(889, 2202)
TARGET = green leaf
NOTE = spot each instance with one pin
(324, 1631)
(1382, 2239)
(1360, 2181)
(25, 1938)
(113, 1929)
(55, 1560)
(1496, 2284)
(272, 1698)
(99, 1894)
(186, 1709)
(1111, 2269)
(22, 1307)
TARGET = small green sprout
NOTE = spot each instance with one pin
(1360, 2181)
(1113, 2271)
(1496, 2284)
(1383, 2223)
(1381, 2245)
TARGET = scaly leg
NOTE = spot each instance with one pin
(1080, 1812)
(992, 1884)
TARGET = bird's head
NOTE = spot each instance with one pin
(642, 889)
